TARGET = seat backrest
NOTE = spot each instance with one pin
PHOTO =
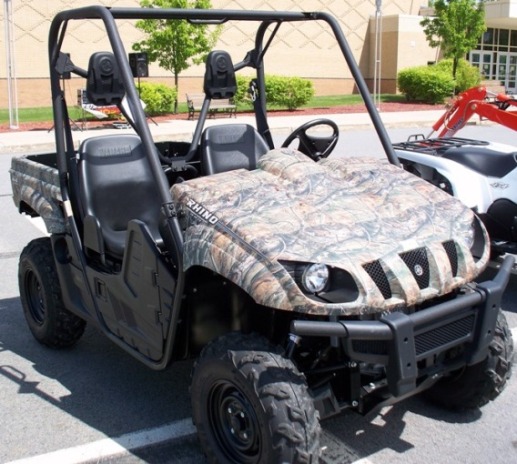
(103, 84)
(116, 185)
(231, 146)
(219, 81)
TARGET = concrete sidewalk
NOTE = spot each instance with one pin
(37, 141)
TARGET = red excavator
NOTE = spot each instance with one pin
(480, 101)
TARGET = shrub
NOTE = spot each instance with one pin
(242, 95)
(290, 92)
(158, 98)
(425, 83)
(281, 91)
(467, 76)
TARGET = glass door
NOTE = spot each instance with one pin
(510, 83)
(484, 62)
(507, 71)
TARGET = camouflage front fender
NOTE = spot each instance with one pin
(268, 284)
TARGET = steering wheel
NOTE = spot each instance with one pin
(313, 145)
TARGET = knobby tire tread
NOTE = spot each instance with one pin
(64, 328)
(293, 419)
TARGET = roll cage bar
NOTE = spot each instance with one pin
(254, 59)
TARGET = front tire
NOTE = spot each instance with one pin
(49, 321)
(251, 405)
(474, 386)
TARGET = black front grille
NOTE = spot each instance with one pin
(417, 262)
(452, 253)
(457, 330)
(427, 342)
(375, 271)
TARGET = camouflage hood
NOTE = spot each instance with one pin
(398, 238)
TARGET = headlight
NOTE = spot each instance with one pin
(323, 283)
(313, 277)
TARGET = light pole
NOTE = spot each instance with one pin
(12, 90)
(378, 54)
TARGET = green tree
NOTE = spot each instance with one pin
(176, 44)
(456, 27)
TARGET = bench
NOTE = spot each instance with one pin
(224, 105)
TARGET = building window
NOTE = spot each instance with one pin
(496, 57)
(487, 39)
(513, 41)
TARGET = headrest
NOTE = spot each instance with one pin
(103, 85)
(220, 79)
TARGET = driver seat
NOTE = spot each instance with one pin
(231, 146)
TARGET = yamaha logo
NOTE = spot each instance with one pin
(419, 270)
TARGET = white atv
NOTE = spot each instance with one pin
(482, 174)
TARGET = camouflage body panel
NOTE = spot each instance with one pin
(341, 212)
(37, 186)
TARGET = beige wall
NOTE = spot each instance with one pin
(326, 68)
(403, 45)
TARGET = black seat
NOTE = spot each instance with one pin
(116, 185)
(231, 146)
(483, 160)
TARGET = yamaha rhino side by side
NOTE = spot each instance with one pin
(303, 285)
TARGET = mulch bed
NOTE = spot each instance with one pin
(385, 107)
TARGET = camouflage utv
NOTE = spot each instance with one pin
(305, 285)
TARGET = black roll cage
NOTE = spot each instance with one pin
(253, 59)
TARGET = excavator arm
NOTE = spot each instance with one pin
(476, 100)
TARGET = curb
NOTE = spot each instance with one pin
(32, 142)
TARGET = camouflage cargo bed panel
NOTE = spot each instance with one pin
(36, 188)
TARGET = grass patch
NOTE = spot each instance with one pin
(44, 114)
(328, 101)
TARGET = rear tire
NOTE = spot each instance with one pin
(474, 386)
(251, 405)
(49, 321)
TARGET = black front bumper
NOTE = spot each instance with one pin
(399, 341)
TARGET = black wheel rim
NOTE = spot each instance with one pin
(34, 294)
(234, 423)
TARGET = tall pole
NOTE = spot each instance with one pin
(378, 53)
(12, 90)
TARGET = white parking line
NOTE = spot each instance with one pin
(101, 449)
(108, 447)
(97, 450)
